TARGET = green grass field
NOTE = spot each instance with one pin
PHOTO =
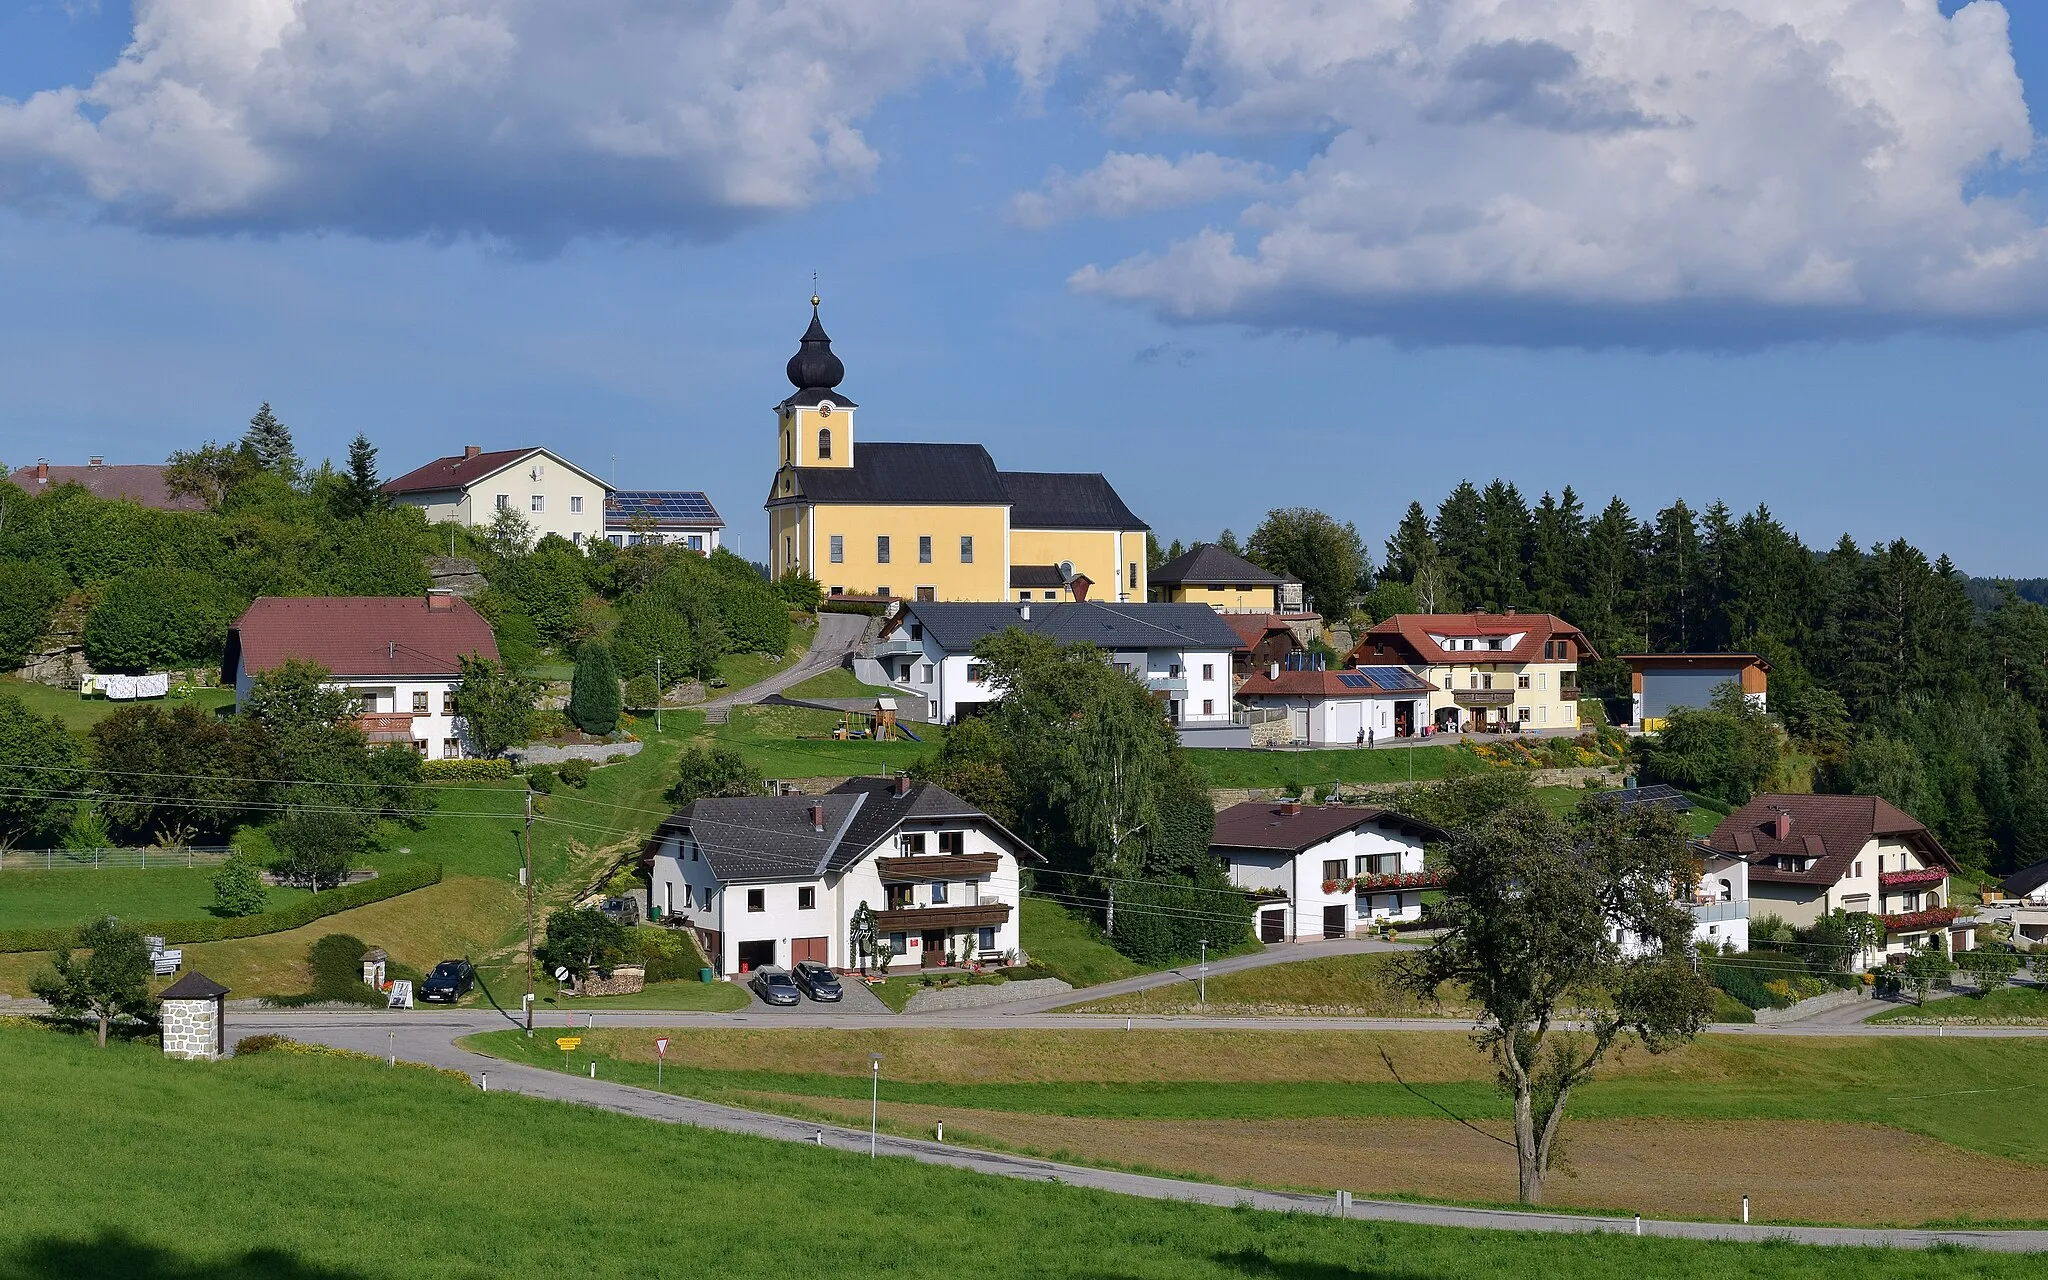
(39, 899)
(1353, 986)
(690, 996)
(839, 683)
(1071, 946)
(739, 670)
(1295, 769)
(326, 1169)
(2009, 1006)
(80, 714)
(793, 742)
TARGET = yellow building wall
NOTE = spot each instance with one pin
(1094, 553)
(1551, 704)
(797, 438)
(1249, 599)
(860, 573)
(788, 536)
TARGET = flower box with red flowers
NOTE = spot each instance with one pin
(1925, 878)
(1399, 880)
(1912, 921)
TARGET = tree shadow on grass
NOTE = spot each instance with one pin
(1255, 1262)
(116, 1253)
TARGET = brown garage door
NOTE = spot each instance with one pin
(1333, 922)
(802, 949)
(1272, 926)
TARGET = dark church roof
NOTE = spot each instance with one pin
(964, 475)
(1066, 500)
(814, 371)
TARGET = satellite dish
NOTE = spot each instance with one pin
(561, 973)
(1066, 571)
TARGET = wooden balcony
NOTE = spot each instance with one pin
(945, 867)
(918, 919)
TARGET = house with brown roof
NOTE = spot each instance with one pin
(1352, 707)
(140, 484)
(1810, 855)
(553, 494)
(399, 656)
(1324, 871)
(1492, 671)
(1263, 639)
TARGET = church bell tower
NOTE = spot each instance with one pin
(815, 423)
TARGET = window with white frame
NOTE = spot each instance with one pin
(576, 504)
(539, 503)
(757, 900)
(838, 548)
(806, 898)
(938, 893)
(504, 501)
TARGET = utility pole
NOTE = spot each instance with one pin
(1204, 998)
(528, 842)
(657, 693)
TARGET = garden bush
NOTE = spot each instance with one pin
(157, 618)
(465, 770)
(575, 772)
(29, 595)
(238, 889)
(666, 954)
(300, 913)
(336, 960)
(1159, 922)
(541, 778)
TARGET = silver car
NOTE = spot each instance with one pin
(775, 986)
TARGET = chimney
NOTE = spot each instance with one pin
(1024, 612)
(470, 451)
(1290, 808)
(1781, 825)
(440, 600)
(817, 817)
(42, 471)
(1079, 586)
(902, 785)
(1272, 671)
(1510, 611)
(96, 461)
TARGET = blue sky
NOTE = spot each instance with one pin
(1287, 299)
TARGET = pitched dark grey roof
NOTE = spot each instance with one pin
(907, 473)
(1066, 500)
(193, 986)
(1036, 575)
(757, 838)
(1213, 564)
(956, 625)
(2027, 879)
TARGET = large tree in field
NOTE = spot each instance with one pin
(496, 705)
(209, 472)
(1327, 556)
(1568, 937)
(111, 980)
(594, 692)
(360, 491)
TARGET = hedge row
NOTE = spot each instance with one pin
(465, 770)
(302, 912)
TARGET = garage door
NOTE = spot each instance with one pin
(813, 949)
(1272, 926)
(756, 955)
(1333, 922)
(1664, 690)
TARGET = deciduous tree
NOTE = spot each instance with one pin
(111, 980)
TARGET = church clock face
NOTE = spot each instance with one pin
(825, 408)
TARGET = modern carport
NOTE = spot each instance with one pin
(1663, 682)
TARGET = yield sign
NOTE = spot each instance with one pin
(661, 1046)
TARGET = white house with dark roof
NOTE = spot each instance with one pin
(773, 880)
(1181, 651)
(1324, 871)
(553, 494)
(1340, 708)
(678, 517)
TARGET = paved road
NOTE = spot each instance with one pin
(416, 1040)
(838, 635)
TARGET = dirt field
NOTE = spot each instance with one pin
(1794, 1171)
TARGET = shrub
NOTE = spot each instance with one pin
(29, 595)
(299, 914)
(157, 618)
(581, 939)
(575, 772)
(465, 770)
(756, 619)
(641, 693)
(713, 771)
(541, 778)
(238, 889)
(259, 1044)
(594, 692)
(799, 592)
(336, 960)
(666, 954)
(1159, 922)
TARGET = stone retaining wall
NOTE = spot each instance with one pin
(982, 995)
(595, 752)
(1811, 1006)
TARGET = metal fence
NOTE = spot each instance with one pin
(107, 859)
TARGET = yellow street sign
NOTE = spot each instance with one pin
(567, 1043)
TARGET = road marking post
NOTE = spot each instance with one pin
(1745, 1209)
(1639, 1224)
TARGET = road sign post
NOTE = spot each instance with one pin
(660, 1056)
(567, 1044)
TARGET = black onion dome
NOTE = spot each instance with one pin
(814, 371)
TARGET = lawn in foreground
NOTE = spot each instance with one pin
(838, 682)
(1294, 769)
(796, 742)
(1362, 986)
(320, 1169)
(45, 899)
(2005, 1007)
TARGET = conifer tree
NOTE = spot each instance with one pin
(270, 443)
(594, 690)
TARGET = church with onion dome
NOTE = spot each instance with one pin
(933, 521)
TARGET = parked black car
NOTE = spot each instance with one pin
(818, 982)
(450, 981)
(774, 986)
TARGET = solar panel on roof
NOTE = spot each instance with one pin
(664, 504)
(1352, 680)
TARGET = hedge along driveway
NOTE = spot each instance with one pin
(305, 911)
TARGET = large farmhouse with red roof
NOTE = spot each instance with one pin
(400, 656)
(1490, 671)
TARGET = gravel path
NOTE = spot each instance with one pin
(838, 635)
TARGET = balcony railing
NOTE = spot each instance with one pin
(1718, 912)
(1483, 697)
(898, 648)
(1167, 684)
(1925, 878)
(1914, 921)
(1385, 880)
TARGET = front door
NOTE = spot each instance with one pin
(1333, 922)
(934, 949)
(1272, 926)
(815, 950)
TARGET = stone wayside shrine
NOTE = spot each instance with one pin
(194, 1018)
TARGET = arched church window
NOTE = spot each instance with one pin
(824, 442)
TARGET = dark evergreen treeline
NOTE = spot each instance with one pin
(1893, 672)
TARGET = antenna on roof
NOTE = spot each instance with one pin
(390, 649)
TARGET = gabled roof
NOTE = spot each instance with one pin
(1213, 565)
(1413, 630)
(194, 985)
(2027, 879)
(1252, 628)
(1267, 826)
(772, 838)
(956, 625)
(460, 470)
(358, 637)
(1354, 682)
(1066, 500)
(137, 483)
(1829, 830)
(1700, 661)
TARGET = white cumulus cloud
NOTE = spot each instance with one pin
(1591, 171)
(528, 119)
(1125, 184)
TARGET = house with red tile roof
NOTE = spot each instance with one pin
(1811, 855)
(553, 494)
(1492, 671)
(1263, 639)
(122, 482)
(1340, 708)
(1324, 871)
(400, 656)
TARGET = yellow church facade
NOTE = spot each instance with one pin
(933, 521)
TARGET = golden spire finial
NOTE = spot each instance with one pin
(814, 290)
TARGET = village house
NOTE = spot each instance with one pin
(400, 657)
(139, 483)
(677, 517)
(1810, 855)
(1491, 671)
(552, 494)
(1660, 683)
(1226, 583)
(1182, 652)
(1262, 640)
(1340, 708)
(774, 880)
(1324, 871)
(1718, 899)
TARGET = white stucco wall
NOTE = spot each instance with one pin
(560, 488)
(1301, 877)
(435, 727)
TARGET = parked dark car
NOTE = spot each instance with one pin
(774, 986)
(817, 982)
(450, 981)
